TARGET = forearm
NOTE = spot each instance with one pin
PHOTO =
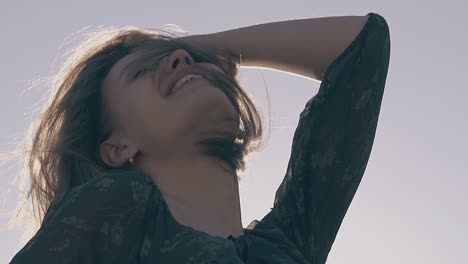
(303, 46)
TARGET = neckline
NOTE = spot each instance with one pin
(186, 227)
(148, 178)
(179, 224)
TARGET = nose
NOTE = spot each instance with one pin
(178, 60)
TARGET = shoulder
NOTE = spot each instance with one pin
(118, 185)
(112, 190)
(119, 179)
(97, 222)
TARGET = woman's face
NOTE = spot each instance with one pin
(167, 126)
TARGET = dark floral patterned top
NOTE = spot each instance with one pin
(122, 217)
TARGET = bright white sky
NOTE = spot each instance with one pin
(411, 206)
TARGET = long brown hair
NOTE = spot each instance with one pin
(61, 147)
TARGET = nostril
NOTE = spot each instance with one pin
(187, 60)
(174, 64)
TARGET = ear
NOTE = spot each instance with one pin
(115, 153)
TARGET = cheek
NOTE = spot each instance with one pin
(140, 121)
(135, 108)
(211, 67)
(150, 118)
(142, 98)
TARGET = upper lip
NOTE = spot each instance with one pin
(177, 77)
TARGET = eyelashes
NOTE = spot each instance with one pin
(148, 68)
(139, 73)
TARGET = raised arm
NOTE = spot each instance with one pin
(303, 46)
(336, 130)
(332, 144)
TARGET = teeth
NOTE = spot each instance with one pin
(185, 79)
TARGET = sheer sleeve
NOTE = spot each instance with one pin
(98, 222)
(332, 144)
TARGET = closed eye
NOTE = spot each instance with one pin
(150, 68)
(139, 73)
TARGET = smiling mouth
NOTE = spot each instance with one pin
(184, 85)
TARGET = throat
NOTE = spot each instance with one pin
(199, 194)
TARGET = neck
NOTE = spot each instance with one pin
(199, 193)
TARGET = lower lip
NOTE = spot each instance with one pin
(185, 85)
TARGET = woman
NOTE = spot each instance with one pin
(143, 161)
